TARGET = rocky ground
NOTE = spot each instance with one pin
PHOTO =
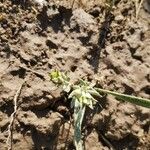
(88, 41)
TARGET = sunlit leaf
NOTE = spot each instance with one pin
(75, 93)
(67, 88)
(132, 99)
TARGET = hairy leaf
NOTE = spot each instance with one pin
(132, 99)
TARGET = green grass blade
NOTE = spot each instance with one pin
(132, 99)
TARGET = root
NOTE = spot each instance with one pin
(13, 116)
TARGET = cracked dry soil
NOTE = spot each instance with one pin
(87, 41)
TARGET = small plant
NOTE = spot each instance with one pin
(82, 95)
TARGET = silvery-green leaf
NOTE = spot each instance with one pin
(76, 93)
(65, 77)
(80, 99)
(94, 92)
(76, 87)
(132, 99)
(85, 101)
(55, 80)
(67, 88)
(73, 103)
(90, 104)
(82, 82)
(88, 95)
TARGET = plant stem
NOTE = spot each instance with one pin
(79, 112)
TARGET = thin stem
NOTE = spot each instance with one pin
(138, 7)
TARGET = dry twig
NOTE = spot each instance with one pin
(13, 116)
(35, 72)
(138, 7)
(107, 142)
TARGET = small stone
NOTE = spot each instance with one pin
(119, 18)
(82, 19)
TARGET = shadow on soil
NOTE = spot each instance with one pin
(96, 51)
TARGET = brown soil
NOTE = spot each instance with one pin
(87, 41)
